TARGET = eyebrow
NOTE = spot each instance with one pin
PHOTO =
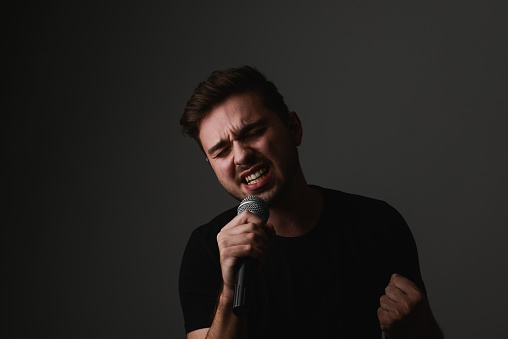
(241, 134)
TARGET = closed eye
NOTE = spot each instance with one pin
(223, 152)
(251, 131)
(255, 133)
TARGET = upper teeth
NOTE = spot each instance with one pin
(254, 176)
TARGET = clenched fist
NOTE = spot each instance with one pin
(246, 235)
(405, 311)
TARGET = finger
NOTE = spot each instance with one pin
(242, 251)
(404, 284)
(240, 225)
(248, 227)
(243, 218)
(242, 239)
(387, 304)
(395, 293)
(386, 321)
(244, 235)
(384, 318)
(247, 216)
(249, 231)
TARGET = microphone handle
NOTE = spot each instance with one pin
(244, 287)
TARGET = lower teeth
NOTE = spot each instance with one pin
(255, 181)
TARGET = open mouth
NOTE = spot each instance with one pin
(256, 177)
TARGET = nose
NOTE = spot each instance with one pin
(243, 153)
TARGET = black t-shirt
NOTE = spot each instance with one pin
(326, 283)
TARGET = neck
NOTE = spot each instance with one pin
(299, 211)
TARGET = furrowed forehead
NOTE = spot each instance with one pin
(244, 128)
(232, 118)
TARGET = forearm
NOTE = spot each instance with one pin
(225, 324)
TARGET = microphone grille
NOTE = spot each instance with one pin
(255, 205)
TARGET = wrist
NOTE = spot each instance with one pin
(227, 294)
(225, 323)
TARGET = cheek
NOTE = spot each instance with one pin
(276, 147)
(223, 169)
(281, 151)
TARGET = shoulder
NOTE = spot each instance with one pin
(201, 249)
(362, 213)
(353, 202)
(213, 227)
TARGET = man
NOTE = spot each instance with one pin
(331, 264)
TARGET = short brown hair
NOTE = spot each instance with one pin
(222, 84)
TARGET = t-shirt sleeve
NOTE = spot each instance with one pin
(200, 281)
(403, 250)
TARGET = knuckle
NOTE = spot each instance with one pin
(220, 239)
(225, 252)
(251, 237)
(249, 248)
(223, 257)
(395, 277)
(398, 315)
(405, 307)
(223, 244)
(418, 295)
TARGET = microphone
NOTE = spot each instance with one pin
(246, 275)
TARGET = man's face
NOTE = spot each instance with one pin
(250, 149)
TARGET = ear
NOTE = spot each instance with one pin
(295, 127)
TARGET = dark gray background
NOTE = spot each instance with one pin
(400, 100)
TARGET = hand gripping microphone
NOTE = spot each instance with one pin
(246, 274)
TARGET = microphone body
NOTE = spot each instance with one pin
(246, 274)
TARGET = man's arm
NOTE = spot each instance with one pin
(405, 311)
(198, 334)
(225, 323)
(244, 236)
